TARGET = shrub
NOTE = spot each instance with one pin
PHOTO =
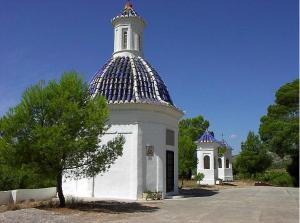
(199, 177)
(22, 178)
(276, 178)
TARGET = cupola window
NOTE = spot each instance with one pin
(124, 37)
(206, 162)
(227, 163)
(220, 162)
(170, 137)
(139, 43)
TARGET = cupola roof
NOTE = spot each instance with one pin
(127, 77)
(127, 12)
(207, 137)
(130, 80)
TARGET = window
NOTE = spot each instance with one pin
(124, 38)
(206, 162)
(139, 43)
(227, 163)
(170, 137)
(220, 162)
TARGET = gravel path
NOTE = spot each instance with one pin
(33, 215)
(247, 205)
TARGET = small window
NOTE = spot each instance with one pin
(139, 42)
(170, 137)
(124, 43)
(227, 163)
(220, 162)
(206, 162)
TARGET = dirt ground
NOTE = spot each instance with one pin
(226, 203)
(225, 185)
(190, 188)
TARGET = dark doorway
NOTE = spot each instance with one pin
(170, 170)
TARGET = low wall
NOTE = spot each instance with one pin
(19, 195)
(5, 197)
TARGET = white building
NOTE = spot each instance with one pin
(214, 159)
(142, 111)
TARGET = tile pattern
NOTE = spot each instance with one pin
(207, 137)
(130, 80)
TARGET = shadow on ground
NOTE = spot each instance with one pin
(111, 207)
(197, 192)
(229, 184)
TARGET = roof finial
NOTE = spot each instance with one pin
(128, 5)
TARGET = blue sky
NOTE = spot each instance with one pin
(223, 59)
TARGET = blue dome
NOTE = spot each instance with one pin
(130, 80)
(207, 137)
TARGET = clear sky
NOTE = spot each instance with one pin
(223, 59)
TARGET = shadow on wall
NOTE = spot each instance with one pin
(197, 192)
(111, 207)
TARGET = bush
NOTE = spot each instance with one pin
(199, 177)
(250, 163)
(276, 178)
(22, 178)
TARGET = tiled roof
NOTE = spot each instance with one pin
(224, 143)
(207, 137)
(128, 11)
(130, 80)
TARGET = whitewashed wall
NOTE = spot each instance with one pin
(19, 195)
(133, 172)
(35, 194)
(5, 197)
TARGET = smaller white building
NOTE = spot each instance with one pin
(214, 159)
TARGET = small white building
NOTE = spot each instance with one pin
(214, 159)
(142, 111)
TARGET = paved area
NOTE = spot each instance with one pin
(253, 204)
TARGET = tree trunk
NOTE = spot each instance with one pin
(62, 202)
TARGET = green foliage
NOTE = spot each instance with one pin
(150, 195)
(253, 143)
(24, 177)
(189, 131)
(187, 159)
(253, 158)
(193, 127)
(276, 178)
(199, 177)
(279, 129)
(221, 150)
(55, 130)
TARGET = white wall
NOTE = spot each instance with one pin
(135, 28)
(121, 179)
(5, 197)
(211, 174)
(19, 195)
(221, 171)
(133, 172)
(228, 176)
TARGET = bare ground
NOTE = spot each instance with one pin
(232, 203)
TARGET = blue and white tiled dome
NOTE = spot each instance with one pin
(130, 80)
(207, 137)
